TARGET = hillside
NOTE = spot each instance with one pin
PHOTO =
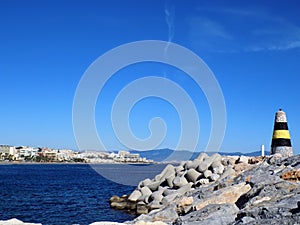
(160, 155)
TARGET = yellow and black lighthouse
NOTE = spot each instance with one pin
(281, 141)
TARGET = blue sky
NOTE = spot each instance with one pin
(252, 47)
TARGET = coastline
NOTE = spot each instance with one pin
(73, 163)
(234, 197)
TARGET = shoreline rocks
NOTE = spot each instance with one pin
(176, 181)
(222, 190)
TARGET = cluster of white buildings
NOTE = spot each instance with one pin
(105, 157)
(25, 153)
(21, 153)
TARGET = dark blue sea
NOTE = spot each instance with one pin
(62, 193)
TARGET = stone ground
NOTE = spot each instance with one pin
(254, 191)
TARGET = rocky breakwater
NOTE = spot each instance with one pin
(175, 182)
(220, 190)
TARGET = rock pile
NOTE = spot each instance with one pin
(249, 190)
(174, 182)
(264, 193)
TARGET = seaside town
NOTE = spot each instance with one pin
(43, 154)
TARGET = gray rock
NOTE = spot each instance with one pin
(141, 208)
(154, 205)
(135, 195)
(214, 177)
(262, 194)
(216, 163)
(145, 191)
(203, 181)
(179, 181)
(182, 164)
(153, 186)
(248, 219)
(168, 171)
(229, 161)
(212, 214)
(146, 182)
(202, 156)
(170, 180)
(117, 202)
(156, 196)
(192, 175)
(158, 177)
(162, 189)
(196, 163)
(218, 169)
(207, 173)
(169, 191)
(181, 173)
(243, 159)
(169, 214)
(169, 198)
(188, 165)
(228, 172)
(184, 189)
(179, 169)
(208, 161)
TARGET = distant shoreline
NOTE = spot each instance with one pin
(75, 163)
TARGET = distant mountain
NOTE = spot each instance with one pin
(160, 155)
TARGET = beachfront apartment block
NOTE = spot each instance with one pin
(7, 152)
(27, 152)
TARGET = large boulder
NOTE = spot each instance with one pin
(153, 186)
(202, 156)
(141, 208)
(169, 180)
(217, 167)
(117, 202)
(179, 181)
(242, 159)
(208, 161)
(212, 214)
(192, 175)
(227, 195)
(168, 214)
(155, 204)
(207, 173)
(135, 195)
(214, 177)
(157, 196)
(146, 192)
(179, 169)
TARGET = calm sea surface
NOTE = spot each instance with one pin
(62, 193)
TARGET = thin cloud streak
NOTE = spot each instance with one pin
(169, 17)
(258, 31)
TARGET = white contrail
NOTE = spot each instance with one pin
(169, 17)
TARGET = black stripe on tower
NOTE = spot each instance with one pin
(281, 142)
(281, 126)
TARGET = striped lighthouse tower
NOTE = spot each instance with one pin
(281, 141)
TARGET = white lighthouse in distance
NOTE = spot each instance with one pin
(262, 150)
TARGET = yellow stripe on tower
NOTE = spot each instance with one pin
(281, 134)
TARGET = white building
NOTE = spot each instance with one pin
(28, 152)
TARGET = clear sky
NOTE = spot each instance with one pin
(252, 47)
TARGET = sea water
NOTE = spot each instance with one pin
(63, 193)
